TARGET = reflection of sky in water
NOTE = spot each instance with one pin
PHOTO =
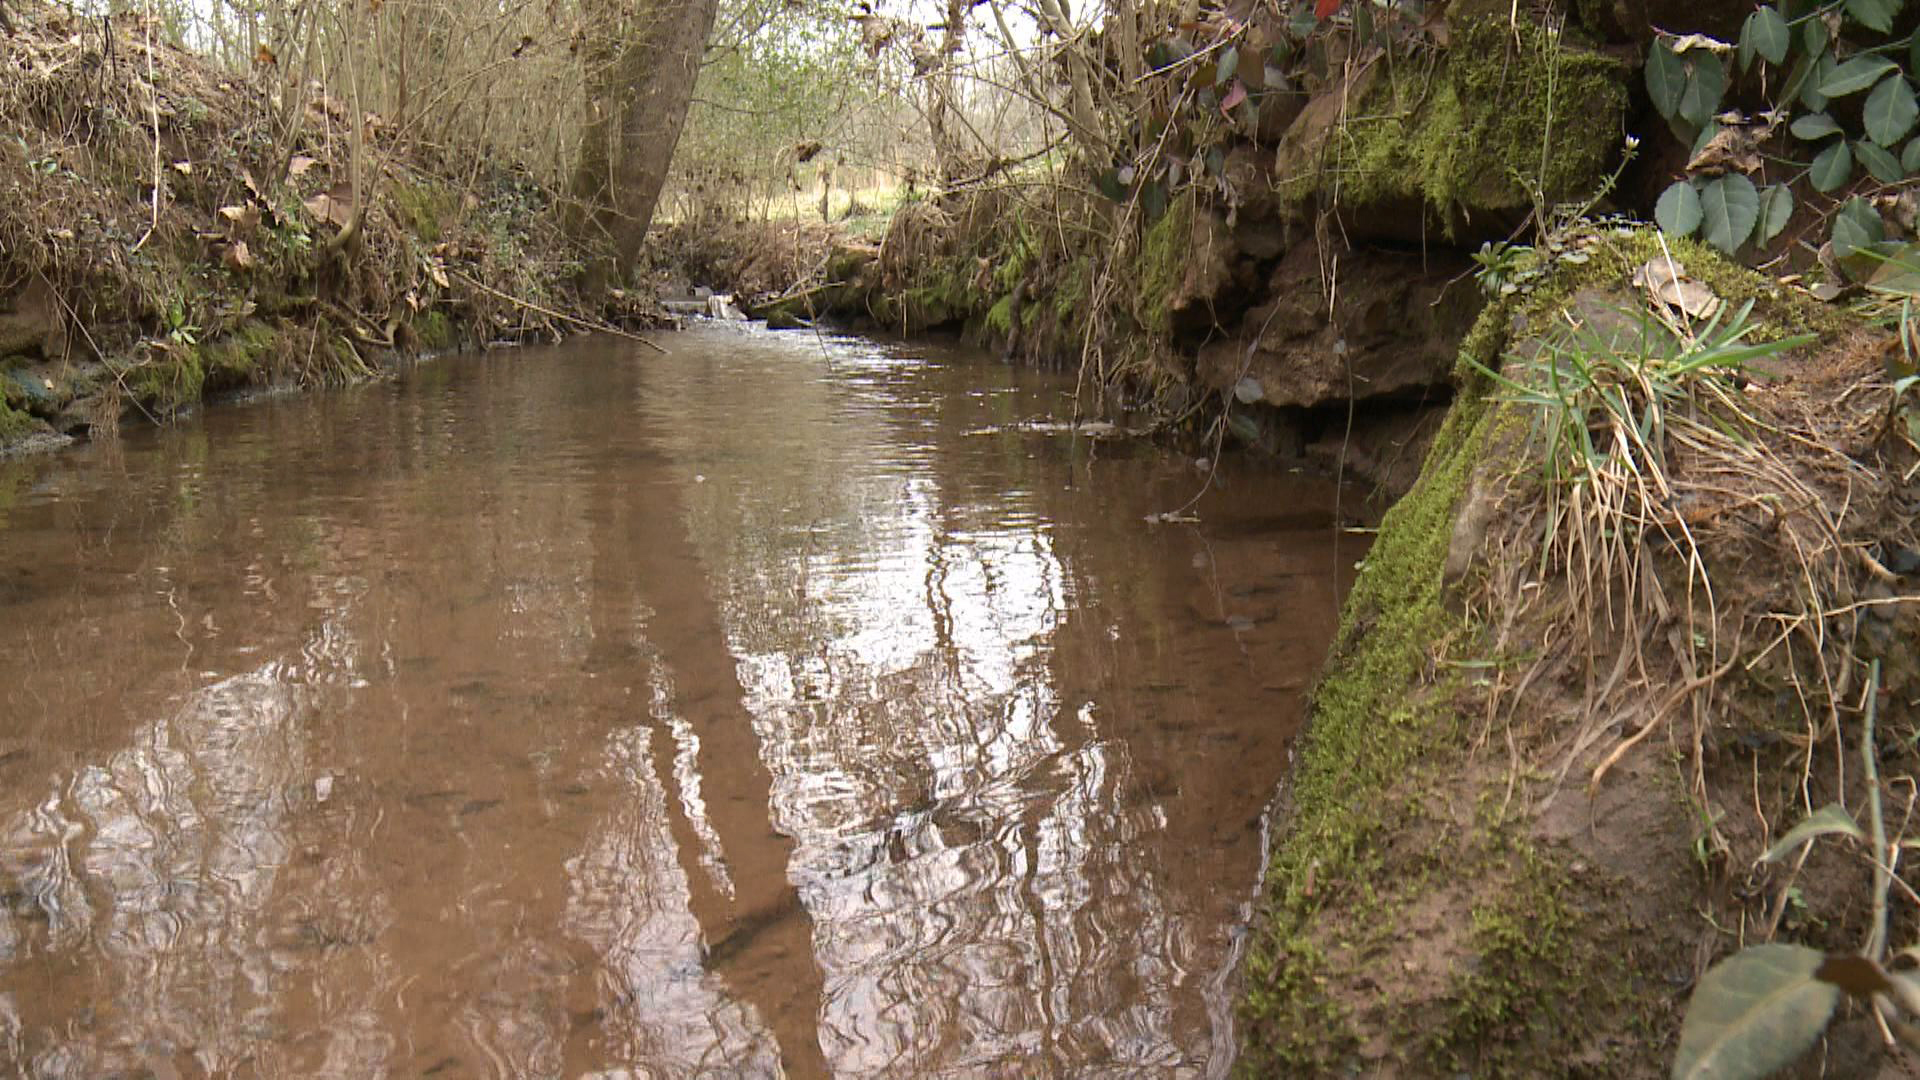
(969, 880)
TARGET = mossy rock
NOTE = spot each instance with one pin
(1511, 115)
(1541, 969)
(171, 379)
(240, 356)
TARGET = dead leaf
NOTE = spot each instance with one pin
(244, 218)
(265, 57)
(1666, 283)
(184, 168)
(334, 204)
(438, 275)
(246, 178)
(1734, 147)
(1699, 41)
(238, 257)
(298, 165)
(1234, 97)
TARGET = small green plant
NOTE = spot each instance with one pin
(180, 328)
(1606, 397)
(1499, 263)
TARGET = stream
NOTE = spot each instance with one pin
(784, 705)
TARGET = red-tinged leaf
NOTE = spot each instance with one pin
(1235, 95)
(1325, 8)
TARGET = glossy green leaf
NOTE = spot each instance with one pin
(1875, 15)
(1678, 211)
(1812, 126)
(1764, 33)
(1822, 69)
(1890, 111)
(1754, 1013)
(1832, 168)
(1666, 76)
(1706, 85)
(1729, 209)
(1826, 821)
(1910, 157)
(1856, 75)
(1814, 36)
(1776, 210)
(1881, 165)
(1857, 231)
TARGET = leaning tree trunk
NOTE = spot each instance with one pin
(639, 84)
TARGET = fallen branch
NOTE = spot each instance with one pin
(599, 327)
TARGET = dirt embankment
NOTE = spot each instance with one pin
(170, 232)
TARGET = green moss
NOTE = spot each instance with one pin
(1368, 729)
(1543, 965)
(434, 329)
(1163, 262)
(1000, 317)
(171, 379)
(1510, 116)
(13, 422)
(421, 206)
(237, 357)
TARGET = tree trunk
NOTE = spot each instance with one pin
(639, 84)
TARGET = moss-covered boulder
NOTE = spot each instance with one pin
(1509, 116)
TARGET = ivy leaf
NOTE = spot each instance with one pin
(1832, 168)
(1875, 15)
(1910, 157)
(1229, 63)
(1111, 185)
(1666, 77)
(1754, 1013)
(1765, 33)
(1809, 127)
(1913, 54)
(1881, 165)
(1678, 211)
(1729, 208)
(1890, 111)
(1776, 209)
(1706, 84)
(1856, 75)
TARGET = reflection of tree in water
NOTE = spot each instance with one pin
(970, 847)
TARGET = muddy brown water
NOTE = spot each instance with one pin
(775, 706)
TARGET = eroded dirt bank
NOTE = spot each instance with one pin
(170, 233)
